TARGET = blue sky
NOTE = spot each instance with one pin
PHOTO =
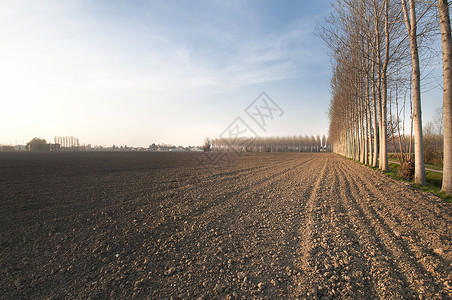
(142, 72)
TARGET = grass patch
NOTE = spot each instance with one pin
(436, 167)
(393, 156)
(434, 190)
(434, 180)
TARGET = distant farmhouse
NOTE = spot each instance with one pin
(5, 148)
(32, 147)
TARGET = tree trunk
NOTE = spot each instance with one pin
(380, 77)
(376, 127)
(446, 42)
(383, 128)
(384, 99)
(419, 175)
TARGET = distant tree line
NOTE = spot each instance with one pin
(269, 144)
(67, 143)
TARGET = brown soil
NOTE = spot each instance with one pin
(156, 225)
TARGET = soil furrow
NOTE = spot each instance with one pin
(404, 253)
(272, 226)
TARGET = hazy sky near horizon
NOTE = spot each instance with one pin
(141, 72)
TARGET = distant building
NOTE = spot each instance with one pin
(85, 147)
(55, 147)
(178, 149)
(7, 148)
(38, 147)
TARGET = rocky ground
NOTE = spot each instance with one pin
(158, 226)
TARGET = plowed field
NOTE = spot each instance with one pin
(157, 225)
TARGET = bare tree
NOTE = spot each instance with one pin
(207, 144)
(446, 42)
(38, 144)
(411, 25)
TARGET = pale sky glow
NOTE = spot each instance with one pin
(143, 72)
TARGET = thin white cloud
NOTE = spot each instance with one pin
(59, 59)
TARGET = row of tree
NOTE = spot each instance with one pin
(269, 144)
(67, 143)
(376, 47)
